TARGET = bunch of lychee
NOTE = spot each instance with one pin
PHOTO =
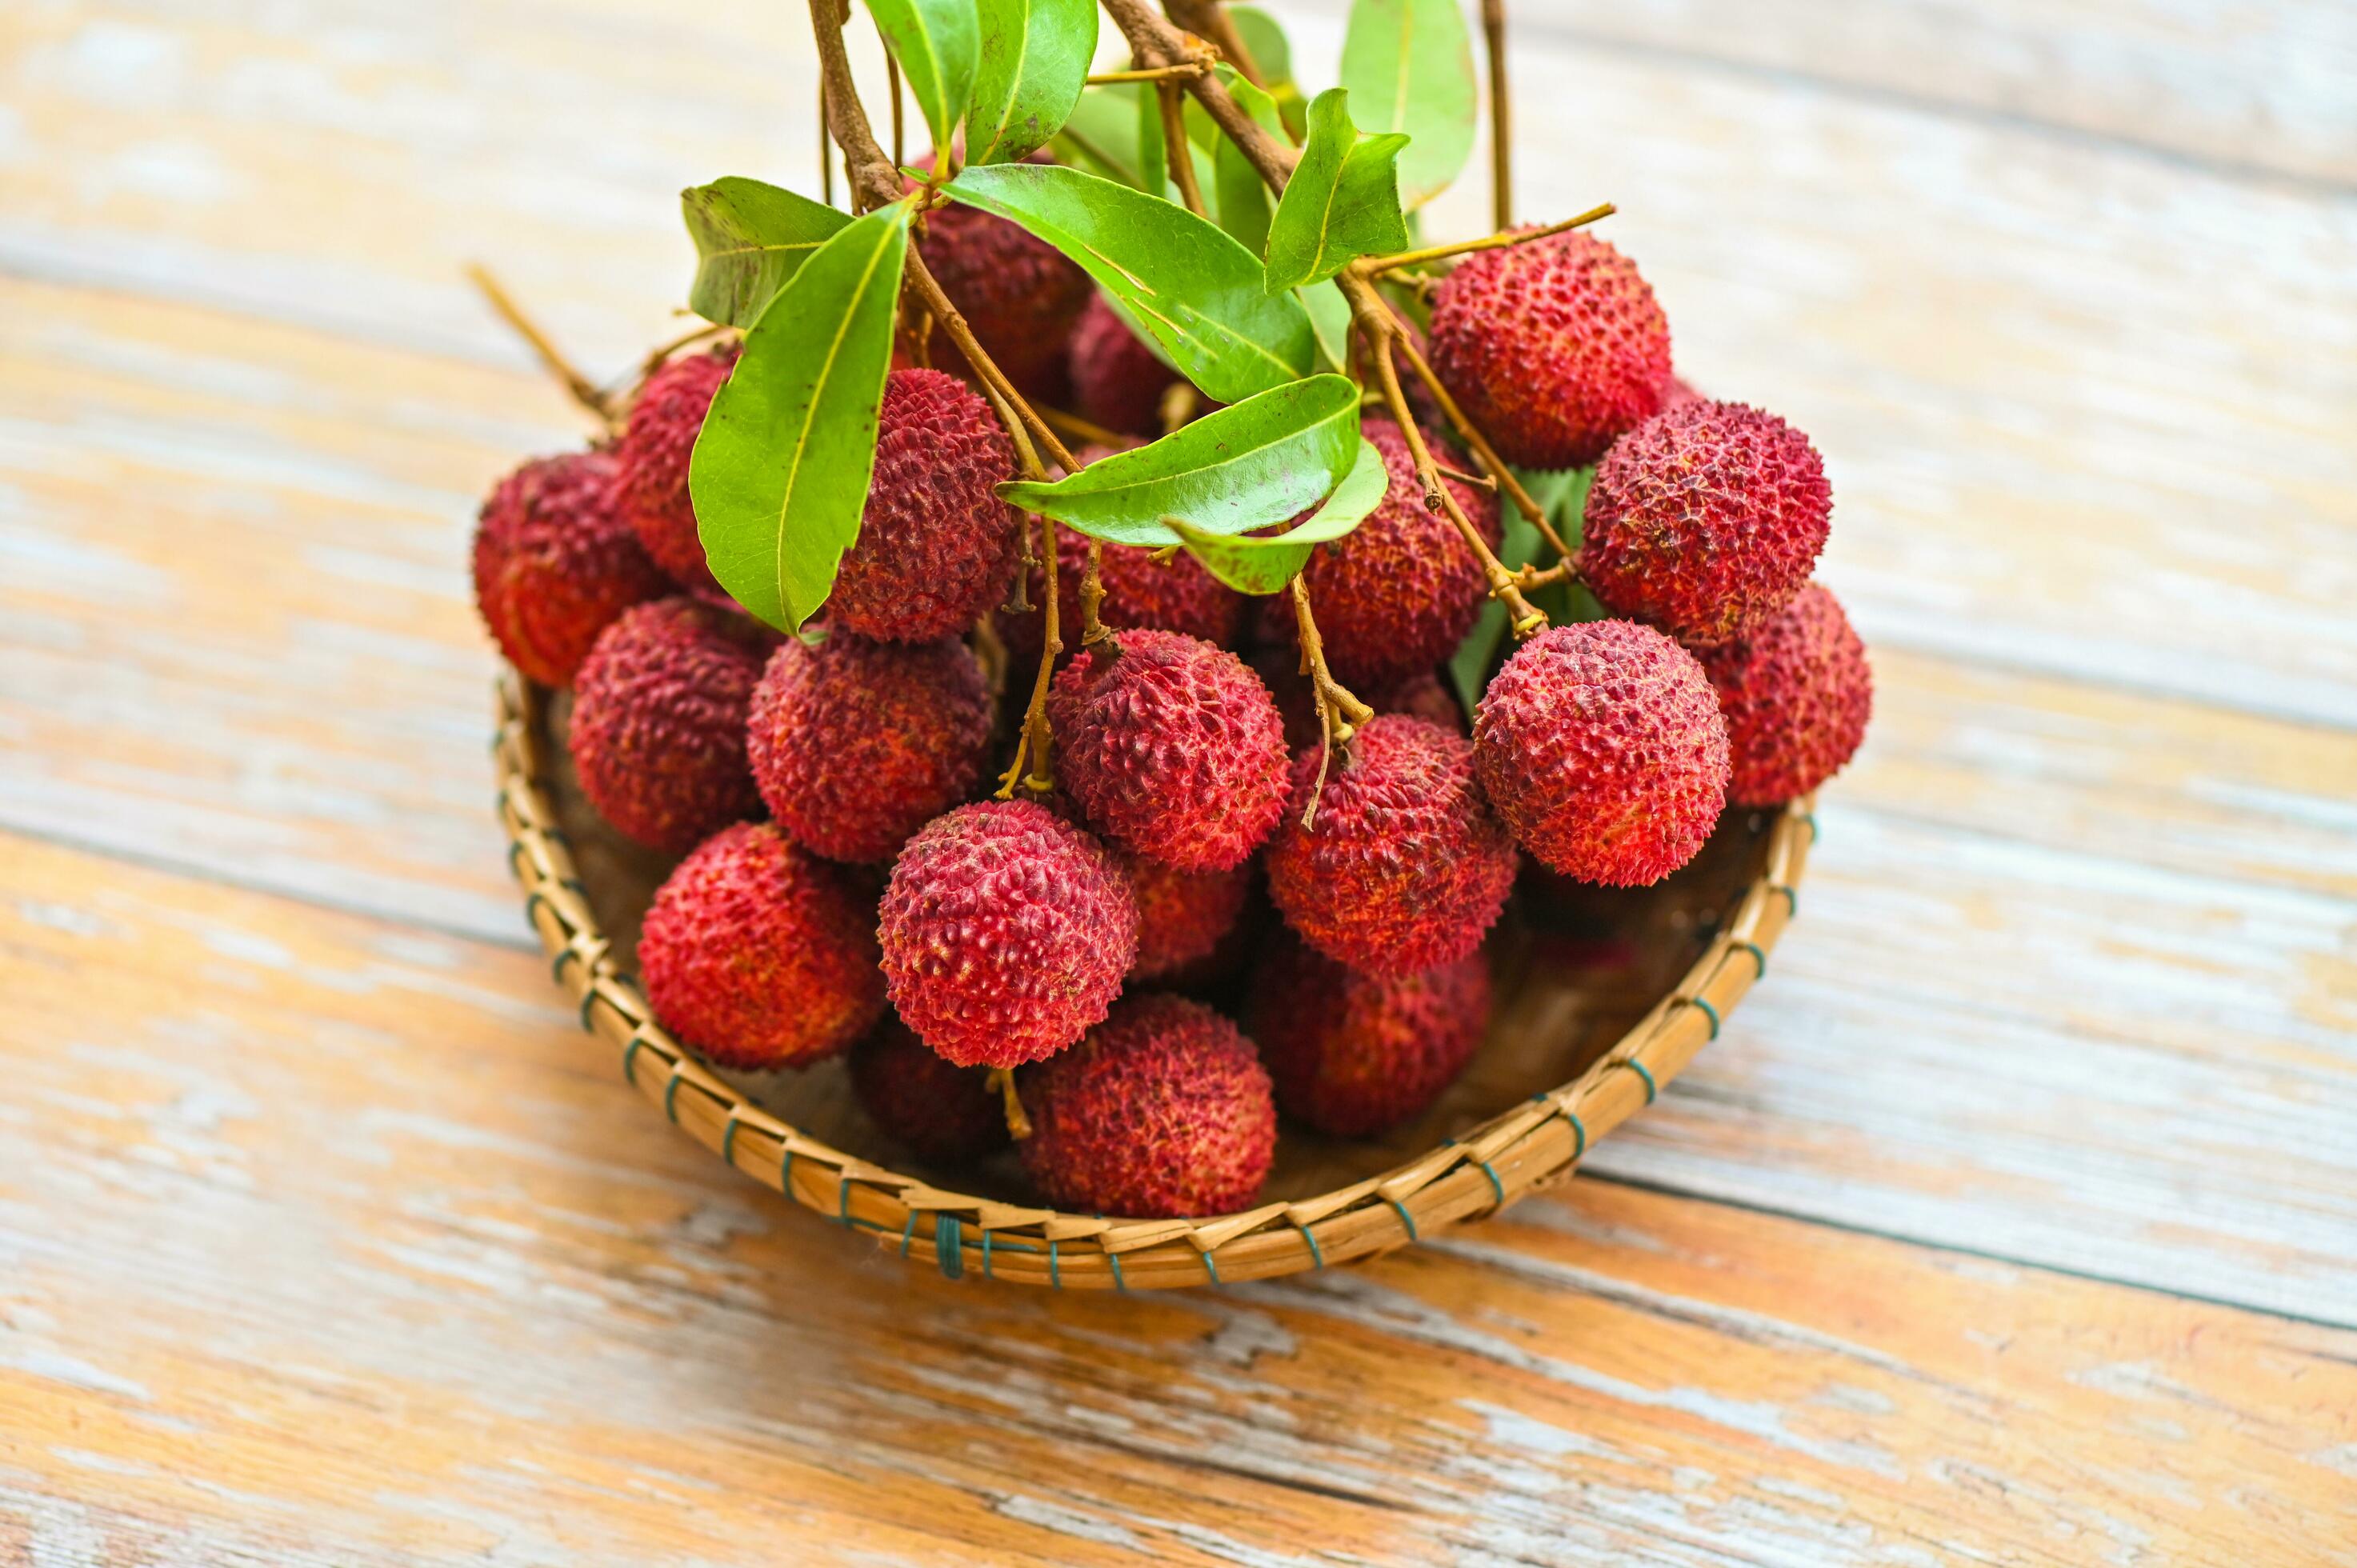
(1056, 959)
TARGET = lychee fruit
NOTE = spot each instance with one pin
(1020, 296)
(937, 1111)
(1116, 380)
(756, 954)
(658, 729)
(1398, 593)
(1162, 1110)
(937, 548)
(1553, 347)
(1181, 914)
(1706, 521)
(855, 745)
(1602, 747)
(1354, 1052)
(1797, 694)
(1171, 747)
(556, 562)
(1404, 866)
(1140, 593)
(1006, 933)
(653, 454)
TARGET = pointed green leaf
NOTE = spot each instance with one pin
(1034, 57)
(1252, 564)
(1409, 67)
(1264, 40)
(1242, 194)
(1245, 466)
(937, 43)
(1192, 289)
(1341, 203)
(1329, 318)
(1153, 146)
(749, 239)
(780, 473)
(1099, 135)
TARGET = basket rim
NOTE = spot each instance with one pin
(1510, 1155)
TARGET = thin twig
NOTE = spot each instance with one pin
(1484, 453)
(1478, 481)
(1178, 152)
(1340, 714)
(1000, 1082)
(583, 391)
(1179, 72)
(1092, 630)
(1080, 429)
(1377, 265)
(892, 90)
(825, 148)
(1502, 141)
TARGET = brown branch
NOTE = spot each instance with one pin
(1340, 714)
(583, 391)
(1092, 594)
(1000, 1080)
(1080, 429)
(1209, 19)
(1484, 453)
(1035, 741)
(1179, 72)
(1501, 139)
(1176, 151)
(1499, 240)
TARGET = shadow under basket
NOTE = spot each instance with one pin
(1603, 995)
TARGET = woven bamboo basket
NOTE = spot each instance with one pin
(1587, 1031)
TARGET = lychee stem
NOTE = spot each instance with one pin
(1080, 429)
(1484, 453)
(1503, 239)
(1092, 630)
(1034, 742)
(892, 92)
(1176, 151)
(618, 394)
(1179, 72)
(1208, 20)
(1502, 140)
(1339, 712)
(583, 391)
(1001, 1080)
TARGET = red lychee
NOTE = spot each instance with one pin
(1116, 379)
(1551, 347)
(1398, 593)
(1181, 914)
(556, 562)
(1354, 1052)
(1706, 521)
(1171, 747)
(658, 731)
(1006, 933)
(1797, 694)
(1162, 1110)
(1602, 747)
(756, 954)
(1020, 295)
(938, 1111)
(653, 455)
(1406, 865)
(937, 548)
(1140, 592)
(855, 745)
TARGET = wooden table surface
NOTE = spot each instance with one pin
(2013, 1220)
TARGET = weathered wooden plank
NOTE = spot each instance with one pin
(325, 1238)
(2101, 438)
(2054, 931)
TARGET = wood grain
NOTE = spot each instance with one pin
(460, 1295)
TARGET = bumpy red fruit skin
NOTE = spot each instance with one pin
(1171, 747)
(936, 1111)
(653, 454)
(1354, 1052)
(556, 562)
(657, 732)
(1019, 295)
(1797, 695)
(855, 745)
(1181, 914)
(937, 548)
(1406, 865)
(756, 954)
(1551, 347)
(1140, 592)
(1706, 521)
(1116, 379)
(1164, 1111)
(1602, 747)
(1006, 933)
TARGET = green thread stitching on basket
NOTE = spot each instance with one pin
(630, 1050)
(1055, 1274)
(1579, 1128)
(1209, 1267)
(843, 1199)
(1118, 1283)
(1814, 831)
(588, 1001)
(1495, 1184)
(1317, 1257)
(1791, 902)
(728, 1139)
(556, 966)
(949, 1246)
(786, 1169)
(1708, 1011)
(908, 1232)
(1758, 957)
(670, 1096)
(532, 904)
(1406, 1218)
(1652, 1089)
(985, 1255)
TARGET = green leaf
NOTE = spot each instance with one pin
(1101, 133)
(1153, 146)
(937, 43)
(1242, 194)
(1034, 58)
(1264, 40)
(1256, 564)
(779, 478)
(1244, 467)
(1409, 67)
(1193, 290)
(1342, 201)
(749, 239)
(1329, 318)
